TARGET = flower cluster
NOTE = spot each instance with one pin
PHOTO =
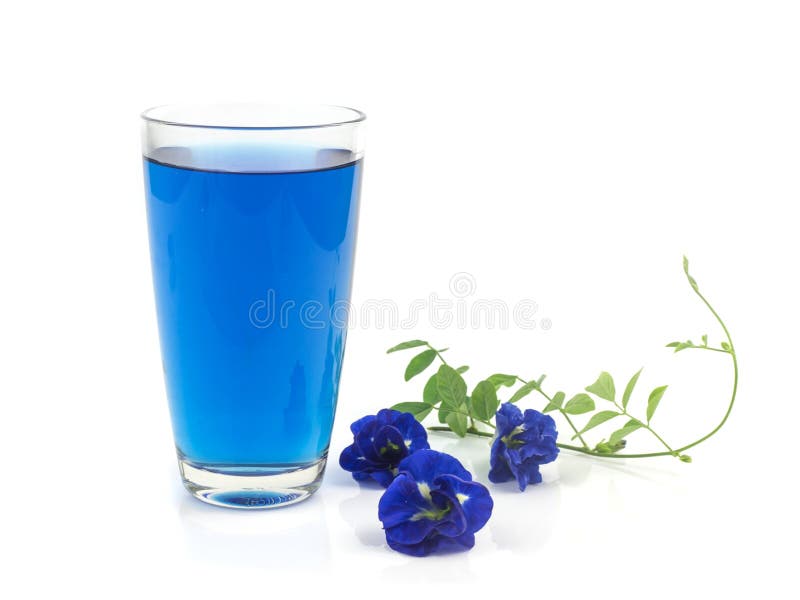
(431, 503)
(522, 442)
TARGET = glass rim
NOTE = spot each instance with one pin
(147, 116)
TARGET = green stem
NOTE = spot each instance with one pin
(660, 439)
(678, 451)
(475, 432)
(486, 434)
(439, 354)
(575, 429)
(623, 411)
(601, 455)
(707, 348)
(732, 352)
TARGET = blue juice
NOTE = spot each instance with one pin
(249, 268)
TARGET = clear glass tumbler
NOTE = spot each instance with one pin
(252, 213)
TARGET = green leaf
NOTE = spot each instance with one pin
(451, 386)
(624, 431)
(579, 404)
(597, 419)
(458, 421)
(406, 346)
(653, 400)
(419, 363)
(626, 395)
(705, 341)
(555, 403)
(484, 400)
(500, 379)
(726, 346)
(603, 387)
(681, 345)
(452, 390)
(462, 369)
(420, 410)
(524, 391)
(430, 394)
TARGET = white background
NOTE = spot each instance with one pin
(567, 152)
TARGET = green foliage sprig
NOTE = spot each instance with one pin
(445, 393)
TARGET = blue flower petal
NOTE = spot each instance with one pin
(401, 510)
(454, 521)
(351, 459)
(424, 548)
(538, 427)
(514, 461)
(357, 426)
(542, 452)
(473, 498)
(426, 465)
(389, 445)
(436, 544)
(401, 500)
(414, 434)
(507, 418)
(387, 416)
(383, 476)
(457, 544)
(528, 472)
(500, 471)
(411, 532)
(365, 442)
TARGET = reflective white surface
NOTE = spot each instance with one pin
(659, 525)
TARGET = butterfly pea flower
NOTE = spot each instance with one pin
(433, 505)
(522, 442)
(380, 442)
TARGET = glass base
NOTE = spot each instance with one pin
(252, 487)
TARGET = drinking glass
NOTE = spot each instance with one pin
(252, 213)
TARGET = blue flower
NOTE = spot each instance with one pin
(433, 505)
(380, 442)
(522, 443)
